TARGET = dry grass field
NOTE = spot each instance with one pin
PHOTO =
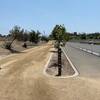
(17, 46)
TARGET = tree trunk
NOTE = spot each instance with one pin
(12, 41)
(59, 62)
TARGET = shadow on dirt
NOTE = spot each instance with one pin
(53, 51)
(14, 51)
(43, 91)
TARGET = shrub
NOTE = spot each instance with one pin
(24, 45)
(7, 45)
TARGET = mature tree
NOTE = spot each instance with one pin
(37, 37)
(15, 33)
(25, 36)
(34, 36)
(59, 34)
(44, 38)
(0, 35)
(83, 36)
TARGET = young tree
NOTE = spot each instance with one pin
(59, 34)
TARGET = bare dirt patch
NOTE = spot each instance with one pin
(16, 48)
(52, 68)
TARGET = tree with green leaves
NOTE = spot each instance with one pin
(60, 35)
(25, 36)
(34, 36)
(15, 33)
(44, 38)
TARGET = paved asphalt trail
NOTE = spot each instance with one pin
(87, 64)
(93, 48)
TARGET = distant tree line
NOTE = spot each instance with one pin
(85, 36)
(19, 34)
(23, 35)
(2, 36)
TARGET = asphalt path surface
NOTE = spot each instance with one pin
(91, 47)
(88, 65)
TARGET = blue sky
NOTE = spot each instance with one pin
(43, 15)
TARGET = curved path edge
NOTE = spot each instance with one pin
(74, 68)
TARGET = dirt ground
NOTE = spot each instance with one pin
(16, 46)
(22, 78)
(52, 68)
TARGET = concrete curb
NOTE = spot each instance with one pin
(74, 68)
(46, 66)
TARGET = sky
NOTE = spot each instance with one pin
(43, 15)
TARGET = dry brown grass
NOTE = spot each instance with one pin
(23, 79)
